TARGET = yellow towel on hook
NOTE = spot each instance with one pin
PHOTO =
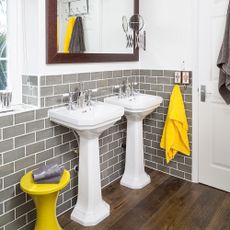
(175, 134)
(68, 34)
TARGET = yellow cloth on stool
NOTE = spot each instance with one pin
(68, 34)
(175, 134)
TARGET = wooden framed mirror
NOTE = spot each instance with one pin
(104, 37)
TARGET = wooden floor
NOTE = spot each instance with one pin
(167, 203)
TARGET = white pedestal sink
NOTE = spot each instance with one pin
(136, 109)
(89, 123)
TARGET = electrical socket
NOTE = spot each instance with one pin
(177, 79)
(185, 78)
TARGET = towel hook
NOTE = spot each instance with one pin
(77, 13)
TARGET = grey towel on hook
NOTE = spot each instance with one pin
(224, 63)
(51, 173)
(77, 42)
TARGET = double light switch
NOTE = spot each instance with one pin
(182, 77)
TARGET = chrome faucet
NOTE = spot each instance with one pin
(88, 96)
(133, 84)
(120, 92)
(70, 96)
(89, 93)
(83, 99)
(127, 89)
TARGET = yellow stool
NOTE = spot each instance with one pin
(45, 198)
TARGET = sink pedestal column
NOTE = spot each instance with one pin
(90, 208)
(135, 176)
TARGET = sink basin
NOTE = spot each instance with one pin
(140, 103)
(96, 116)
(89, 123)
(136, 109)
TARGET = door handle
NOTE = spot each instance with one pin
(203, 93)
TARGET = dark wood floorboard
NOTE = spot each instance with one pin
(168, 203)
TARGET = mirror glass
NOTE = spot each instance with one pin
(93, 26)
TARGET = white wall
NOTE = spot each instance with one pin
(169, 34)
(169, 39)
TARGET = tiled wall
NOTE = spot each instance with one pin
(28, 140)
(30, 90)
(161, 83)
(53, 87)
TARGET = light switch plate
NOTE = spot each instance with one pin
(177, 78)
(185, 78)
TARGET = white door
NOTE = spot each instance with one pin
(214, 114)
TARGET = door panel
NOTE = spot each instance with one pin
(214, 114)
(221, 137)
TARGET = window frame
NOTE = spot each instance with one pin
(13, 50)
(2, 58)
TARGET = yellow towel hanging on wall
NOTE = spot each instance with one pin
(68, 34)
(175, 134)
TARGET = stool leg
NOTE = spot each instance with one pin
(46, 212)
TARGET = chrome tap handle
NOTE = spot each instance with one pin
(127, 89)
(120, 92)
(133, 84)
(89, 96)
(70, 96)
(81, 94)
(71, 101)
(116, 86)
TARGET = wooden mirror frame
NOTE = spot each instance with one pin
(54, 57)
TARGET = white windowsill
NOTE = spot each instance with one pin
(15, 109)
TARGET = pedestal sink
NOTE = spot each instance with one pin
(136, 109)
(89, 123)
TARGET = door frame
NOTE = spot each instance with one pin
(195, 90)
